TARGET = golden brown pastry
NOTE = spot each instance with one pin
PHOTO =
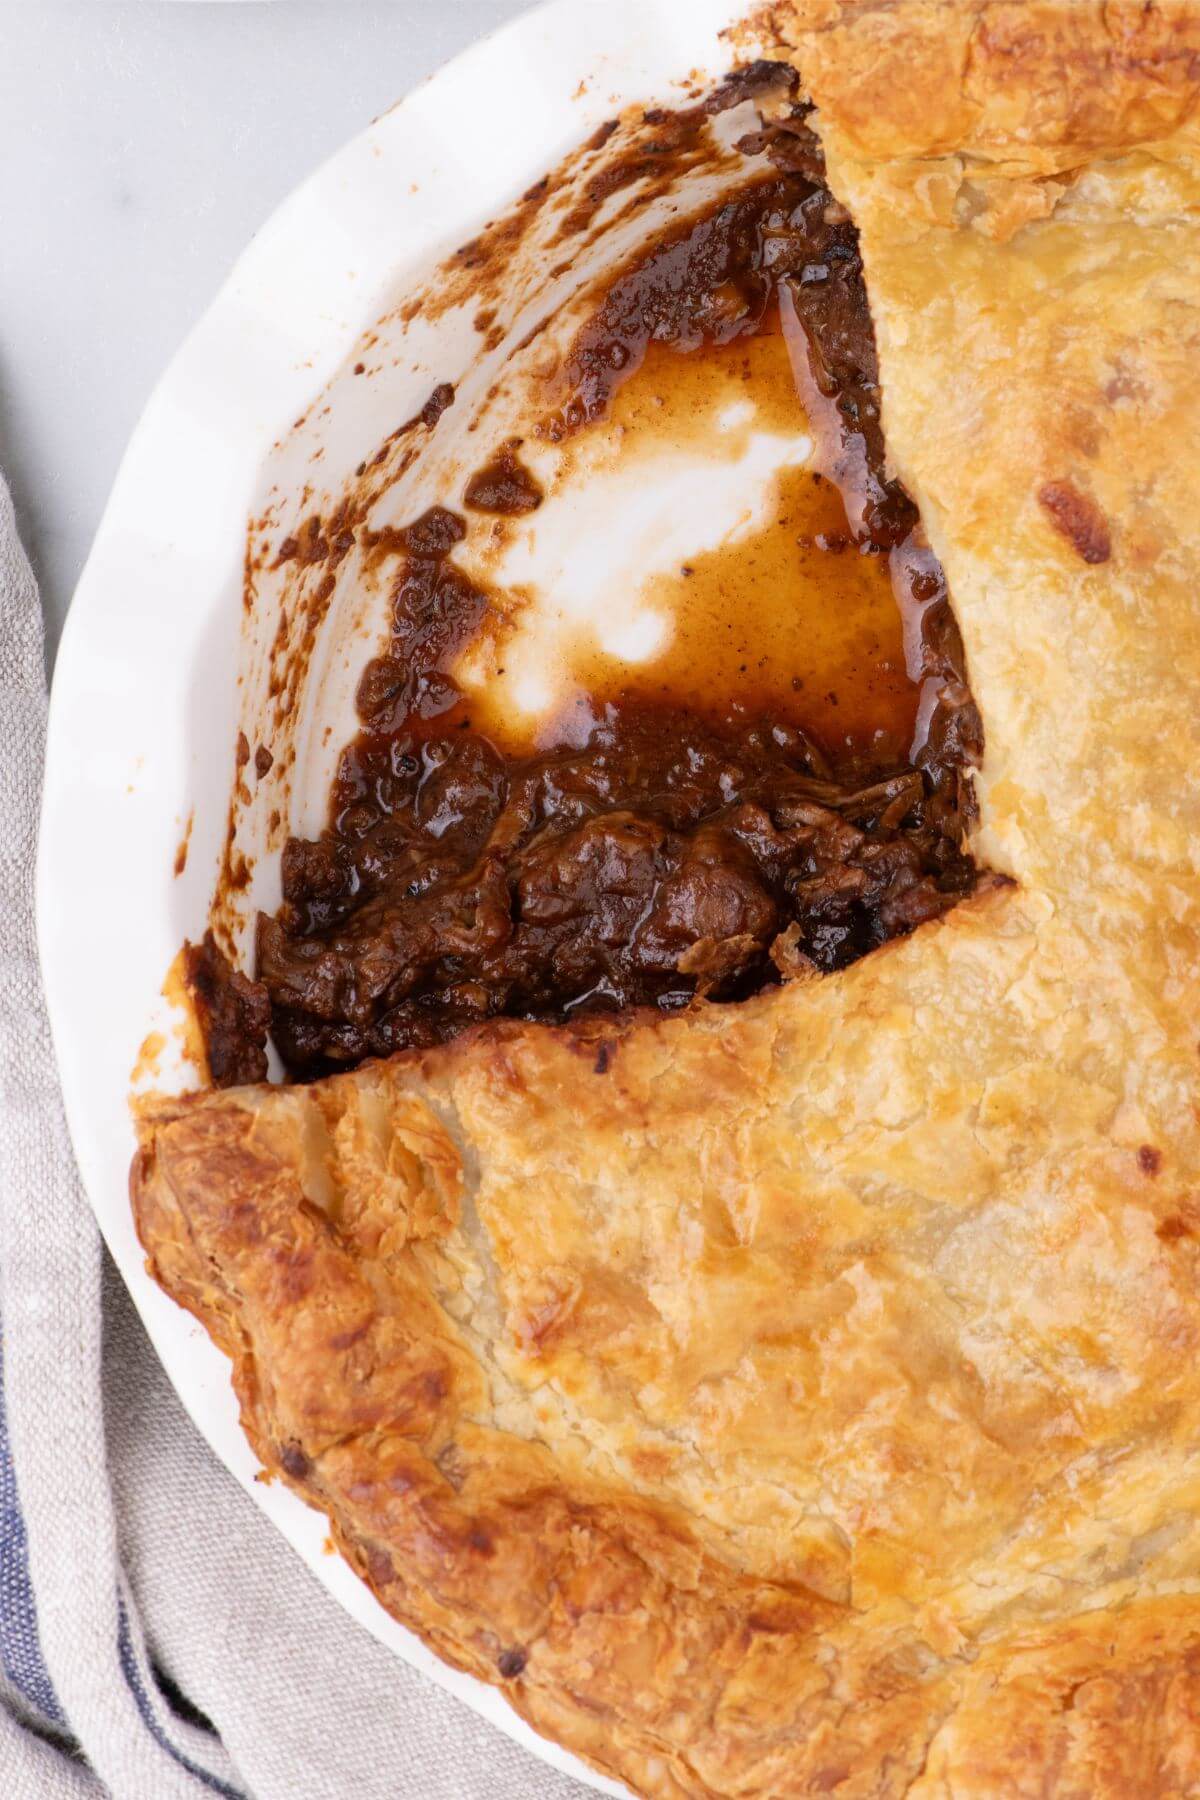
(804, 1397)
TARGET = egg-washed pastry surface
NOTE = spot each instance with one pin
(801, 1397)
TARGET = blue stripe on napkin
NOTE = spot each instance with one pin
(145, 1705)
(20, 1647)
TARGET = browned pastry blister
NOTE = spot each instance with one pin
(801, 1397)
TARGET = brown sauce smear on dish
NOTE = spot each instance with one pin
(689, 846)
(503, 486)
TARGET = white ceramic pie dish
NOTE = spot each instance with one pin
(145, 703)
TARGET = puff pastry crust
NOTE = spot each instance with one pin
(804, 1397)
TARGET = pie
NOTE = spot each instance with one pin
(801, 1395)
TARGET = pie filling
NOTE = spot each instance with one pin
(721, 820)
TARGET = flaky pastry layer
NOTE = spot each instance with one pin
(803, 1397)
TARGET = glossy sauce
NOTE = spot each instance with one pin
(790, 620)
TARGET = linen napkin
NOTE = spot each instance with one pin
(158, 1639)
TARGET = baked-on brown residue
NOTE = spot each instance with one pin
(181, 853)
(503, 485)
(643, 154)
(441, 397)
(671, 141)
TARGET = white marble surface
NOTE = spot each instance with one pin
(141, 144)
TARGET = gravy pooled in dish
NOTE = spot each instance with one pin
(734, 813)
